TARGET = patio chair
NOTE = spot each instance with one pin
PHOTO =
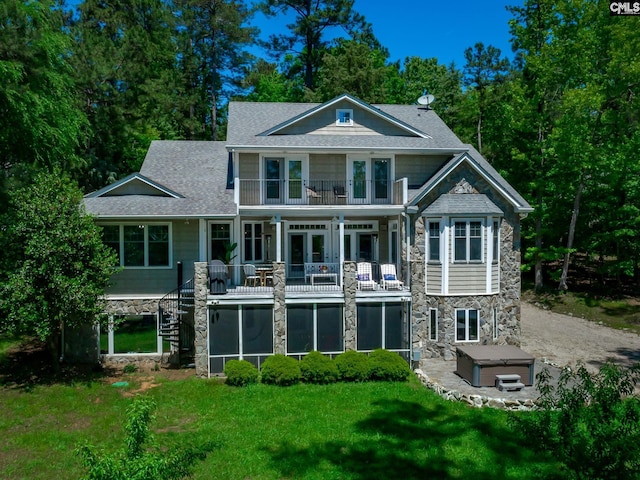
(389, 278)
(250, 275)
(218, 275)
(364, 277)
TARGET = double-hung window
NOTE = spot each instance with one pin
(140, 245)
(467, 241)
(467, 325)
(434, 242)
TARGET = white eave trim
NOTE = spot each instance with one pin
(517, 206)
(324, 148)
(345, 97)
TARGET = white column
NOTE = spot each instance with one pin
(202, 240)
(278, 239)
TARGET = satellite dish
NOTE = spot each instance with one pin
(426, 99)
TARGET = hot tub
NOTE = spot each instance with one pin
(479, 364)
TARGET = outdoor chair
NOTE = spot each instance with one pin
(250, 275)
(364, 277)
(389, 279)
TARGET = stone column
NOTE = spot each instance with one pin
(279, 308)
(200, 318)
(350, 286)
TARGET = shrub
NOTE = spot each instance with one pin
(589, 422)
(352, 366)
(240, 373)
(280, 370)
(137, 459)
(388, 366)
(317, 368)
(130, 368)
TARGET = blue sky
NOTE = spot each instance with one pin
(426, 28)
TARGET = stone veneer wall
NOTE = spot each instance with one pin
(350, 285)
(279, 308)
(200, 318)
(506, 302)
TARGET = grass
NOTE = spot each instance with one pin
(339, 431)
(622, 312)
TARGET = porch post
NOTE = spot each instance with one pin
(200, 319)
(278, 239)
(350, 285)
(341, 242)
(279, 308)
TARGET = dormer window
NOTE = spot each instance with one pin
(344, 117)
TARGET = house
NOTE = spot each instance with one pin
(286, 237)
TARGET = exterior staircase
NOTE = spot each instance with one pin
(176, 323)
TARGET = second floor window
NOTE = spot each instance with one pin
(467, 241)
(434, 242)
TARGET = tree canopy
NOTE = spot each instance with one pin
(55, 266)
(87, 90)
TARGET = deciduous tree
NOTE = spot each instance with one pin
(56, 266)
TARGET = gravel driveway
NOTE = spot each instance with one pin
(566, 340)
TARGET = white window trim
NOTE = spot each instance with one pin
(433, 335)
(284, 173)
(340, 123)
(253, 239)
(146, 244)
(428, 221)
(468, 222)
(466, 321)
(210, 239)
(111, 338)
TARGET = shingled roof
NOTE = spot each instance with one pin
(195, 170)
(249, 121)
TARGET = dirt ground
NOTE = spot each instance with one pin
(565, 340)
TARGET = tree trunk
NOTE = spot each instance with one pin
(214, 114)
(53, 346)
(480, 132)
(572, 231)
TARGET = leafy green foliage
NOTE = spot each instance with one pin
(353, 366)
(589, 422)
(318, 368)
(135, 462)
(307, 33)
(280, 370)
(56, 266)
(41, 125)
(240, 373)
(388, 366)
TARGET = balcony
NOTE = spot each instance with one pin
(309, 278)
(321, 192)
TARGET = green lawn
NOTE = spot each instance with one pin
(341, 431)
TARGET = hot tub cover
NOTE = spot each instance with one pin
(496, 354)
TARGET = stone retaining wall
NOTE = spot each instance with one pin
(478, 401)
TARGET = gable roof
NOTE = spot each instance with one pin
(411, 131)
(135, 183)
(258, 126)
(462, 204)
(476, 161)
(195, 171)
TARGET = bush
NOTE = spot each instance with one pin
(388, 366)
(280, 370)
(316, 368)
(589, 422)
(352, 366)
(240, 373)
